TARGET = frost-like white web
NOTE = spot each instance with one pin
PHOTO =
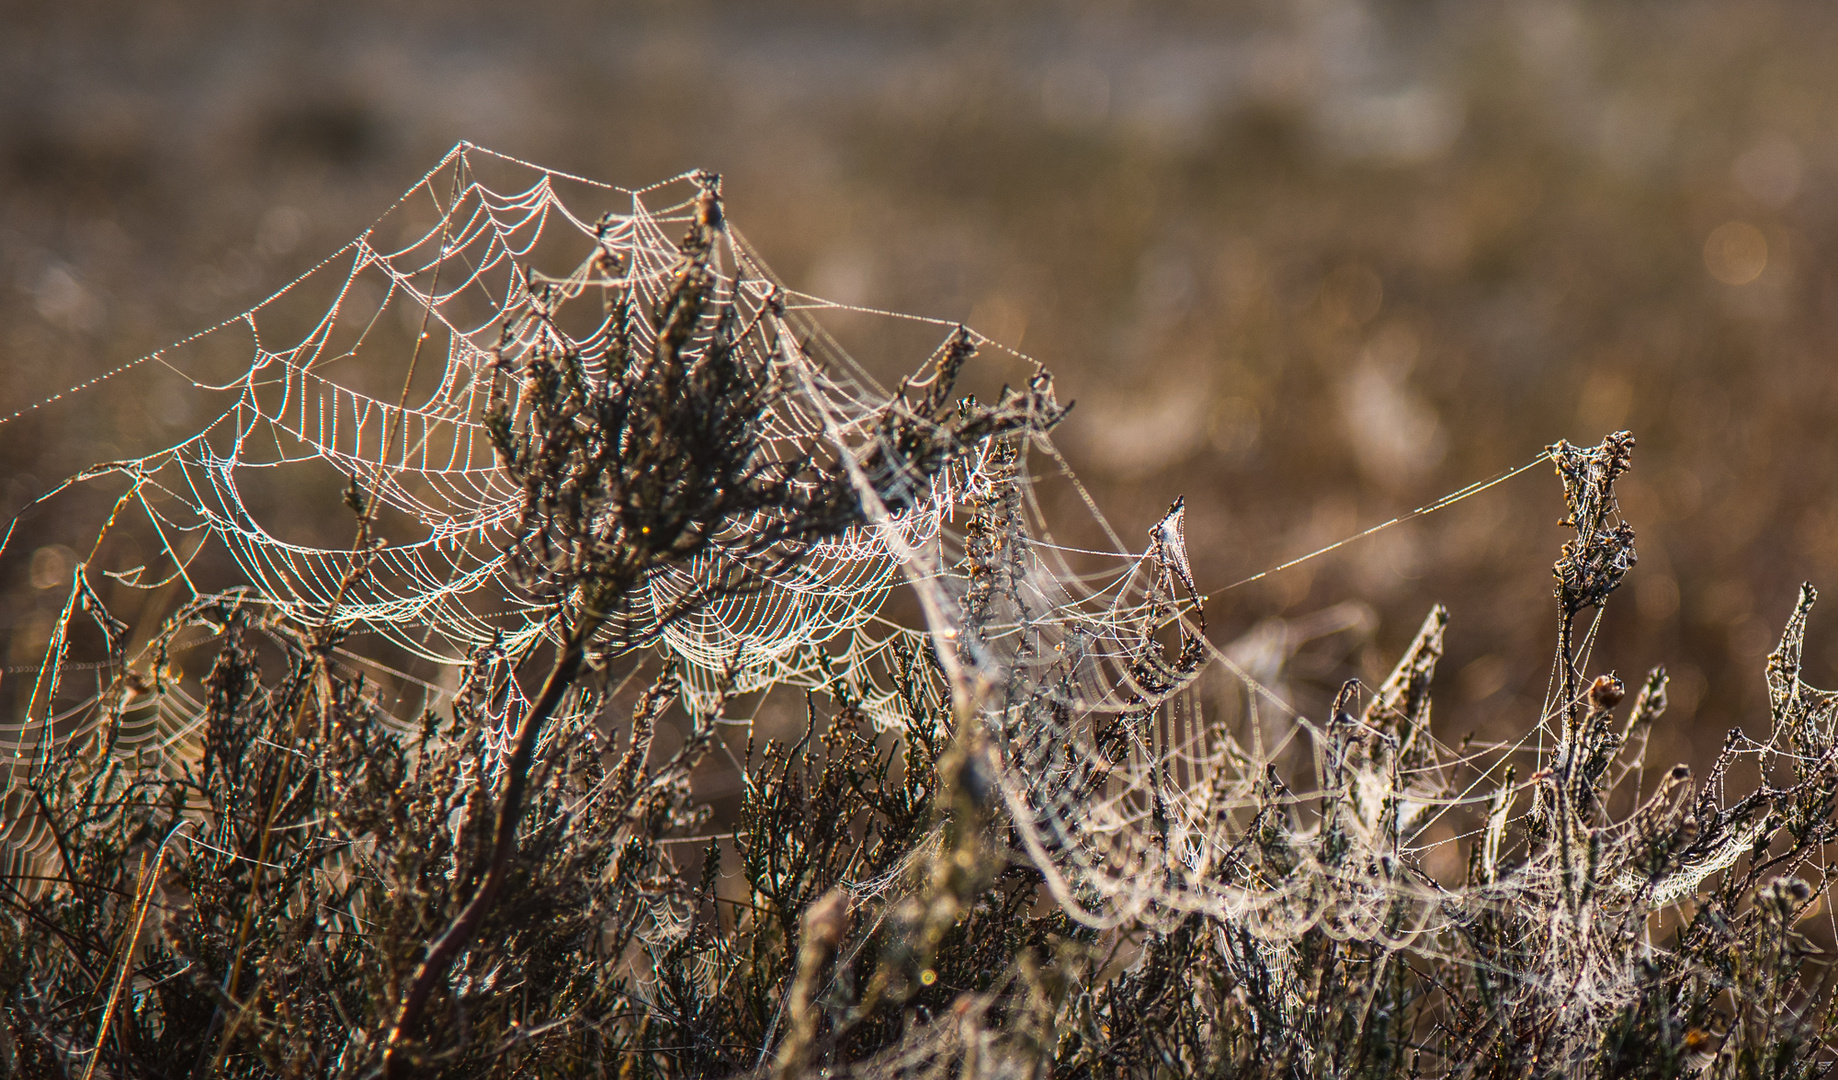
(1148, 772)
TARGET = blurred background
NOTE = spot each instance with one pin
(1311, 264)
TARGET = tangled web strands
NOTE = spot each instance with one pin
(1084, 681)
(458, 302)
(433, 319)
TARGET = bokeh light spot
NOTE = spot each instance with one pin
(1736, 253)
(51, 566)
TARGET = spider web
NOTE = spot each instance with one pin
(1128, 749)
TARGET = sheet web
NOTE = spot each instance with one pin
(1104, 704)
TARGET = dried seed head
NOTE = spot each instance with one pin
(827, 920)
(1783, 896)
(1607, 692)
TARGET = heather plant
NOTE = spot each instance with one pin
(1039, 827)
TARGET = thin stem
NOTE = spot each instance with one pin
(459, 933)
(143, 899)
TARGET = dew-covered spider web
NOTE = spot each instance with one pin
(346, 480)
